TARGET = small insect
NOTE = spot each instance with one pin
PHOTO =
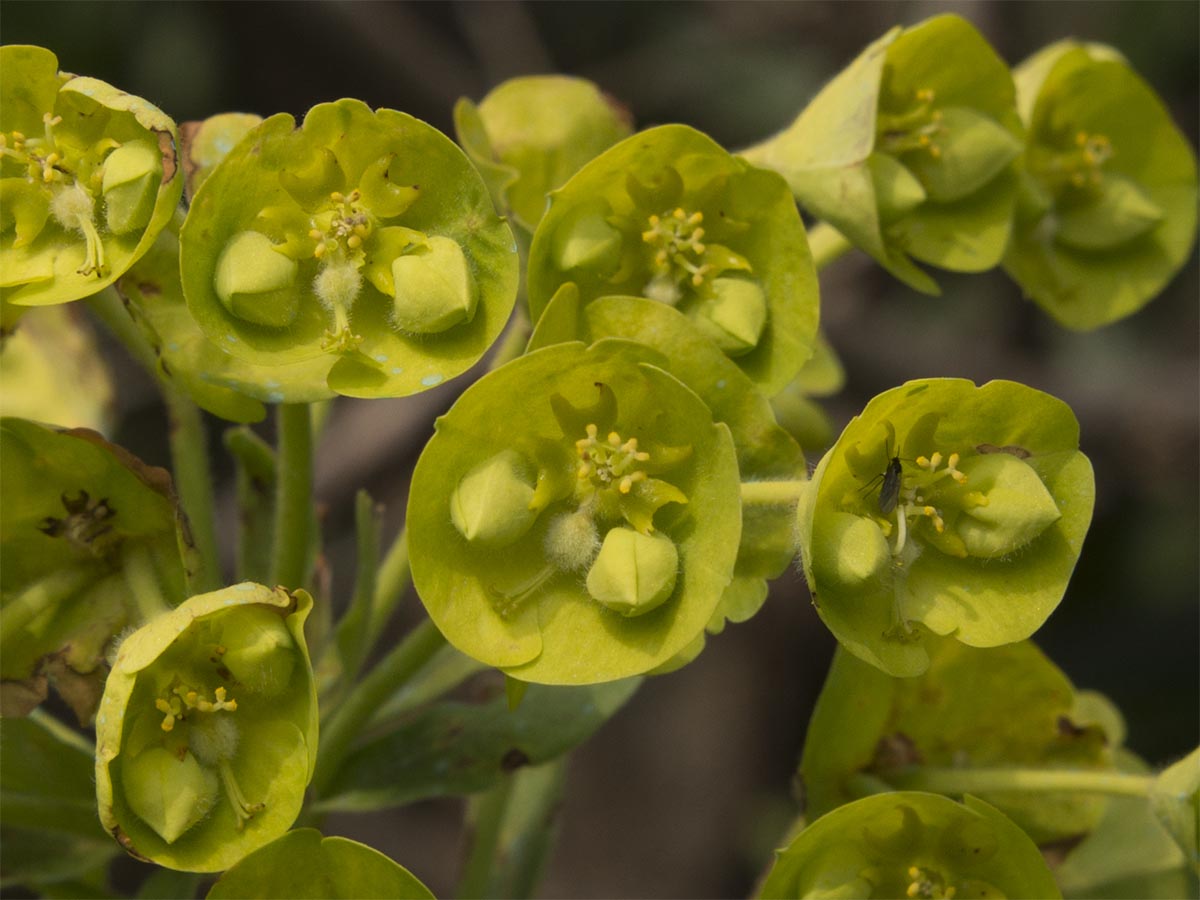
(890, 480)
(889, 490)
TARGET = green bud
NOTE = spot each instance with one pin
(435, 289)
(255, 282)
(132, 174)
(1117, 213)
(972, 149)
(491, 505)
(734, 317)
(853, 551)
(634, 572)
(259, 650)
(168, 791)
(1016, 508)
(588, 242)
(897, 189)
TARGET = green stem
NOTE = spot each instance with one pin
(188, 439)
(827, 245)
(193, 481)
(485, 816)
(349, 719)
(530, 829)
(255, 485)
(350, 639)
(1033, 781)
(142, 581)
(772, 493)
(391, 581)
(67, 735)
(293, 498)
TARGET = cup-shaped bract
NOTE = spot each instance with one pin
(83, 525)
(669, 215)
(206, 736)
(910, 151)
(1107, 209)
(362, 239)
(88, 177)
(530, 134)
(993, 708)
(542, 509)
(911, 844)
(947, 509)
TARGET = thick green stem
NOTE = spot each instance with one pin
(193, 481)
(1033, 781)
(485, 816)
(293, 498)
(349, 719)
(188, 440)
(254, 461)
(827, 244)
(772, 493)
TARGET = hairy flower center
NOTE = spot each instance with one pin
(69, 183)
(610, 463)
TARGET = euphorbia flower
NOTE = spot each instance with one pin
(88, 177)
(592, 542)
(910, 151)
(1107, 210)
(206, 736)
(362, 239)
(914, 845)
(949, 509)
(669, 215)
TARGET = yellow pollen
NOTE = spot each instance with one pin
(319, 251)
(354, 242)
(316, 234)
(935, 151)
(337, 197)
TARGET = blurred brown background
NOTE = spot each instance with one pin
(684, 793)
